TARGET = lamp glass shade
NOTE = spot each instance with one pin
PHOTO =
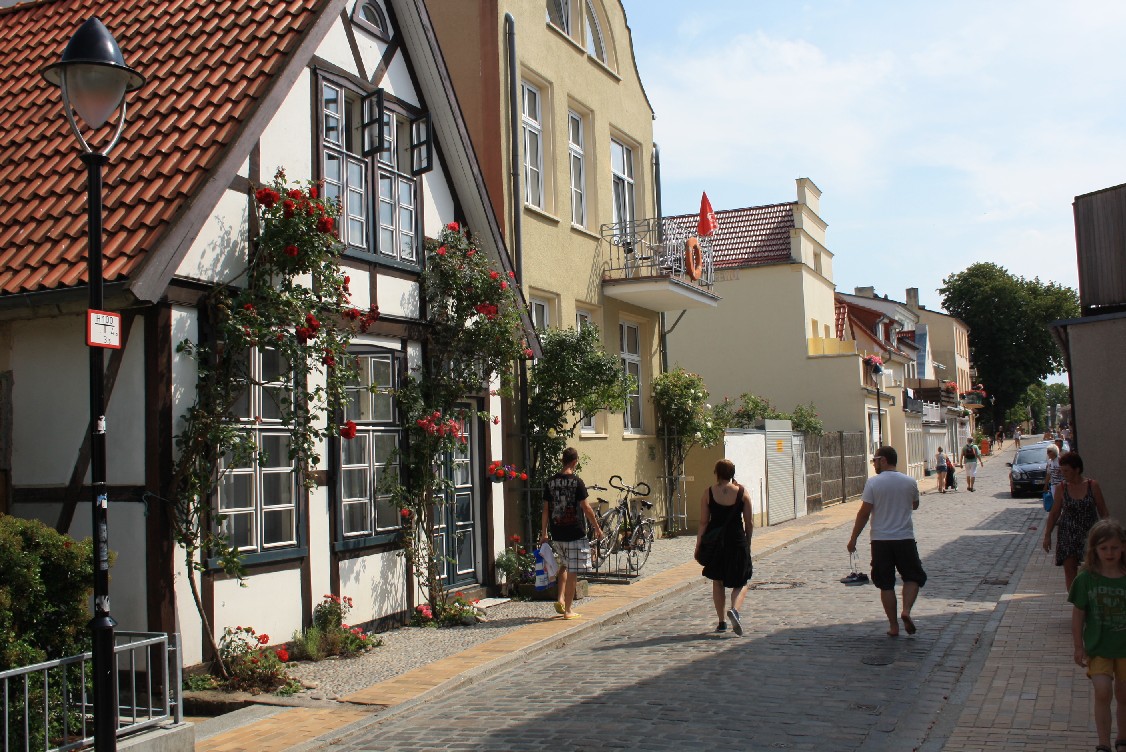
(95, 91)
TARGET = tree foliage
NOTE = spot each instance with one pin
(750, 409)
(1007, 317)
(574, 379)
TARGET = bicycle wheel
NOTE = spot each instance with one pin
(602, 547)
(641, 543)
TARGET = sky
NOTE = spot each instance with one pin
(940, 134)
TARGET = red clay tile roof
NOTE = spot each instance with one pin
(746, 237)
(207, 64)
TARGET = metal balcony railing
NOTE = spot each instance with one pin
(48, 707)
(647, 248)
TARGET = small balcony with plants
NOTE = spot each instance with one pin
(654, 265)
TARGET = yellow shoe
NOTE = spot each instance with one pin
(559, 608)
(572, 615)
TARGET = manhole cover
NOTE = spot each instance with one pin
(865, 708)
(878, 660)
(774, 585)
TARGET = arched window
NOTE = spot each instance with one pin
(595, 42)
(369, 14)
(559, 14)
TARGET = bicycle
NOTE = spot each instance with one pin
(623, 529)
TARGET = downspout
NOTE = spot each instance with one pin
(517, 246)
(663, 343)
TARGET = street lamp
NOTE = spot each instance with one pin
(878, 369)
(93, 77)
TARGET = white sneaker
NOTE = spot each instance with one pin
(733, 617)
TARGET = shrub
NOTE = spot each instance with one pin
(517, 563)
(45, 583)
(329, 635)
(253, 667)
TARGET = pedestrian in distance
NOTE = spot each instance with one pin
(940, 469)
(888, 500)
(1053, 475)
(1098, 626)
(951, 473)
(564, 504)
(1077, 504)
(971, 456)
(1016, 436)
(1001, 439)
(723, 543)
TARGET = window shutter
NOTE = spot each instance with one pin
(372, 106)
(422, 145)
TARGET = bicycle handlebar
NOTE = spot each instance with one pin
(594, 487)
(635, 490)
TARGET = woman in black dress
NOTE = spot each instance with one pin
(725, 518)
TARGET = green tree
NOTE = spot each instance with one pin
(574, 379)
(1007, 316)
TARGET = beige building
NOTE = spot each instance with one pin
(577, 190)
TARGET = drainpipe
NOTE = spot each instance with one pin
(517, 246)
(664, 344)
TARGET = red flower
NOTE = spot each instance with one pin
(523, 476)
(263, 638)
(453, 227)
(295, 194)
(493, 275)
(512, 275)
(470, 252)
(267, 197)
(405, 514)
(441, 250)
(529, 352)
(248, 307)
(328, 360)
(514, 538)
(292, 251)
(304, 334)
(312, 191)
(511, 473)
(347, 280)
(311, 322)
(288, 208)
(351, 314)
(504, 285)
(326, 225)
(348, 430)
(282, 654)
(522, 551)
(496, 420)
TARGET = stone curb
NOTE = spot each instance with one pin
(579, 631)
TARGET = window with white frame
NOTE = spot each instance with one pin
(257, 496)
(630, 346)
(621, 168)
(532, 127)
(369, 15)
(367, 140)
(370, 460)
(585, 319)
(578, 168)
(559, 14)
(541, 313)
(595, 42)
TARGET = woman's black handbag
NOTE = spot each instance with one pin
(711, 545)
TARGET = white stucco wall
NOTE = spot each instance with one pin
(270, 602)
(51, 404)
(438, 202)
(397, 297)
(219, 252)
(377, 585)
(287, 140)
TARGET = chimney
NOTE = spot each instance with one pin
(913, 297)
(865, 292)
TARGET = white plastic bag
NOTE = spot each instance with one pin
(541, 575)
(549, 564)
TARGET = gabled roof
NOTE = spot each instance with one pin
(746, 237)
(208, 65)
(866, 321)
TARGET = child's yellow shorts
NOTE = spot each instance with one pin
(1115, 667)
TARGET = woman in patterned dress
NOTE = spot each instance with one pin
(1078, 504)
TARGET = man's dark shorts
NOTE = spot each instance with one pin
(888, 556)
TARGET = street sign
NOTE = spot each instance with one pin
(103, 329)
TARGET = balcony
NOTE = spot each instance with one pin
(647, 267)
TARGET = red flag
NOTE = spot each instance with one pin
(707, 224)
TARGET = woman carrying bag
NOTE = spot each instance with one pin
(723, 543)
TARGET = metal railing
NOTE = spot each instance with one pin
(49, 706)
(647, 248)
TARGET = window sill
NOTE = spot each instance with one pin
(565, 36)
(271, 556)
(628, 436)
(603, 67)
(593, 435)
(370, 541)
(541, 213)
(414, 267)
(583, 231)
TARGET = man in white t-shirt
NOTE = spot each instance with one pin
(888, 500)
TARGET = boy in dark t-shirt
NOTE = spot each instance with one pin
(565, 501)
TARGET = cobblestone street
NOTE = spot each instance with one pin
(814, 670)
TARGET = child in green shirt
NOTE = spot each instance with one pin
(1098, 625)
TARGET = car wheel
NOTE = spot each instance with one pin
(1013, 493)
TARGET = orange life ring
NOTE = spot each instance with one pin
(693, 258)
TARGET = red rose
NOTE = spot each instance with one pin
(291, 251)
(493, 275)
(248, 307)
(453, 227)
(512, 275)
(267, 197)
(528, 353)
(441, 251)
(295, 193)
(263, 638)
(470, 252)
(496, 420)
(328, 360)
(523, 476)
(504, 285)
(282, 654)
(405, 514)
(522, 551)
(311, 322)
(304, 334)
(348, 430)
(326, 225)
(312, 191)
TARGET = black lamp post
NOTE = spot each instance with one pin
(93, 77)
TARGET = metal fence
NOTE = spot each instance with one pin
(48, 707)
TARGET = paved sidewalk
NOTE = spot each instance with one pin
(297, 728)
